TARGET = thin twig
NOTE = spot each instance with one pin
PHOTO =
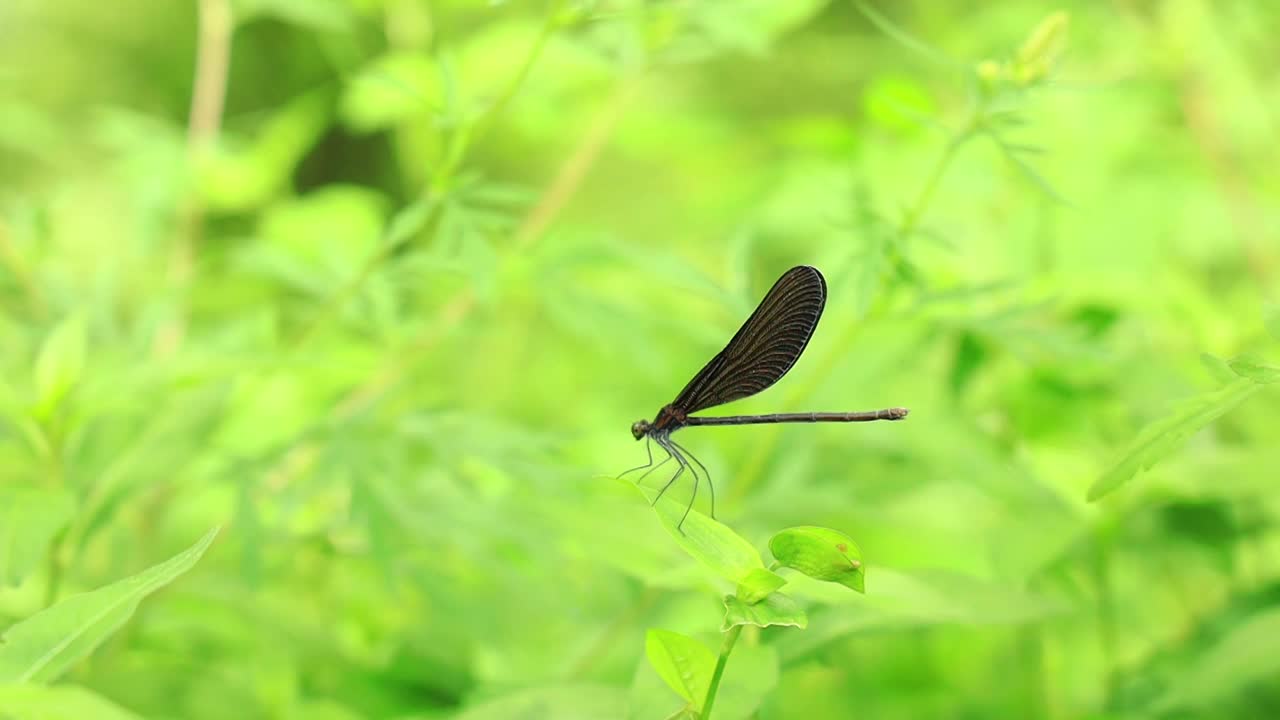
(574, 170)
(208, 97)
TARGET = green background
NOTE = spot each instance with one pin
(383, 301)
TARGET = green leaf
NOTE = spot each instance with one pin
(1218, 368)
(320, 239)
(758, 584)
(60, 364)
(390, 90)
(822, 554)
(1164, 436)
(408, 222)
(44, 645)
(1240, 659)
(1271, 320)
(685, 664)
(714, 545)
(1254, 368)
(246, 171)
(777, 609)
(897, 103)
(29, 518)
(58, 702)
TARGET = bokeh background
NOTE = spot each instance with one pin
(378, 286)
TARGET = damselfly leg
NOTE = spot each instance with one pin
(707, 474)
(694, 495)
(648, 451)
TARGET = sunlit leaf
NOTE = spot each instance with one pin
(1271, 319)
(60, 363)
(1218, 368)
(822, 554)
(1255, 369)
(44, 645)
(391, 89)
(1162, 437)
(777, 609)
(709, 542)
(685, 664)
(245, 171)
(321, 239)
(897, 103)
(758, 584)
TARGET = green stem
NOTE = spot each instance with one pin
(726, 647)
(495, 111)
(884, 25)
(914, 215)
(58, 476)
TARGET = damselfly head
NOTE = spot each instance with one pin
(640, 428)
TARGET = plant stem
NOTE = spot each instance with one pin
(496, 110)
(726, 647)
(215, 27)
(913, 216)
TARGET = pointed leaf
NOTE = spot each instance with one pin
(1164, 436)
(822, 554)
(777, 609)
(60, 363)
(1218, 368)
(714, 545)
(389, 90)
(1271, 319)
(29, 519)
(684, 663)
(44, 645)
(1254, 368)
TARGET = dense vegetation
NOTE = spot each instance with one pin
(323, 323)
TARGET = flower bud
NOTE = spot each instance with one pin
(1041, 49)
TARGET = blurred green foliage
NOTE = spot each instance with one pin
(377, 287)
